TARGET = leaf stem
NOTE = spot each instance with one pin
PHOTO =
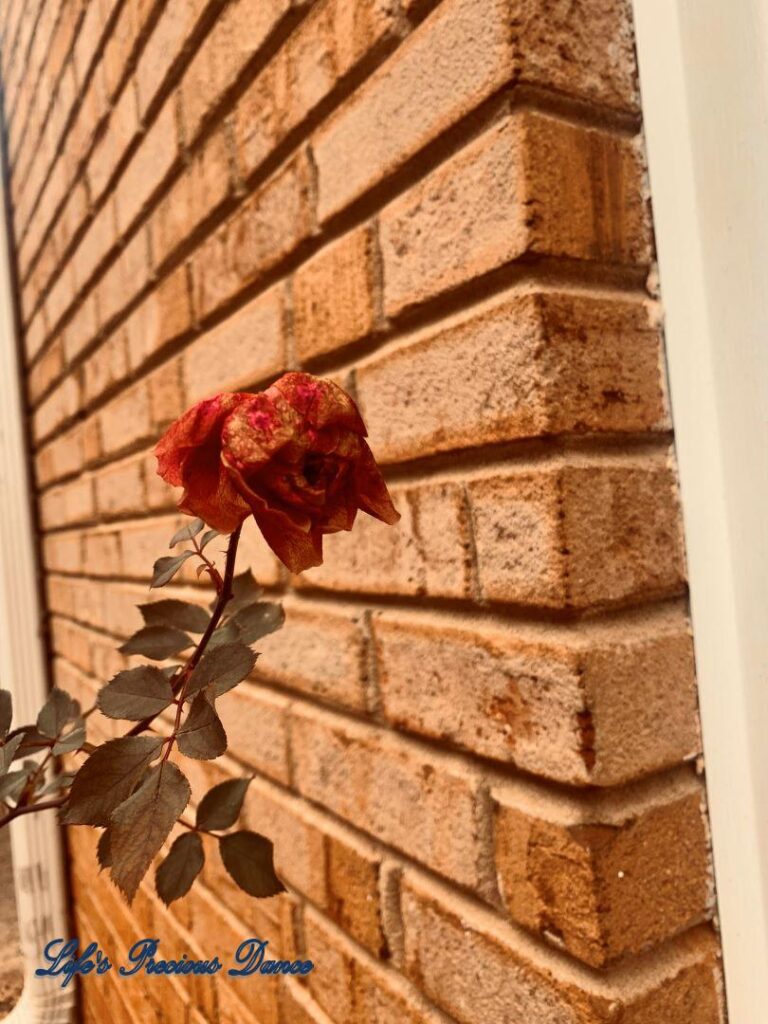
(44, 805)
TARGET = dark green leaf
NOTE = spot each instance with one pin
(258, 620)
(202, 735)
(141, 824)
(225, 666)
(248, 857)
(135, 693)
(187, 532)
(58, 709)
(180, 868)
(225, 634)
(104, 849)
(73, 740)
(208, 536)
(221, 805)
(13, 783)
(30, 741)
(6, 712)
(157, 642)
(8, 751)
(180, 614)
(108, 777)
(166, 568)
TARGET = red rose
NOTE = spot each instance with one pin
(293, 456)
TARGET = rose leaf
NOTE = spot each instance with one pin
(180, 868)
(258, 620)
(166, 568)
(108, 777)
(221, 805)
(248, 857)
(73, 740)
(187, 532)
(6, 712)
(202, 735)
(58, 709)
(142, 823)
(156, 642)
(179, 614)
(135, 693)
(225, 666)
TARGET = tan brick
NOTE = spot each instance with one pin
(59, 407)
(125, 278)
(169, 37)
(328, 45)
(126, 419)
(46, 369)
(163, 316)
(166, 397)
(206, 184)
(319, 651)
(247, 348)
(608, 877)
(505, 195)
(527, 365)
(298, 1007)
(353, 770)
(106, 366)
(256, 725)
(142, 543)
(63, 552)
(428, 552)
(580, 532)
(121, 131)
(458, 57)
(153, 160)
(70, 503)
(265, 229)
(120, 488)
(575, 705)
(101, 553)
(237, 36)
(253, 553)
(81, 328)
(352, 987)
(334, 295)
(62, 456)
(513, 977)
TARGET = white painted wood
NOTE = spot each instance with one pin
(35, 838)
(704, 82)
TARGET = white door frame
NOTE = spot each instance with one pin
(36, 842)
(704, 81)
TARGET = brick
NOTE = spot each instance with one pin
(412, 558)
(165, 46)
(352, 987)
(504, 196)
(530, 364)
(70, 503)
(247, 348)
(265, 229)
(335, 295)
(101, 553)
(142, 542)
(97, 243)
(298, 1007)
(126, 419)
(579, 706)
(353, 770)
(164, 315)
(253, 553)
(578, 533)
(319, 651)
(81, 328)
(62, 456)
(457, 58)
(63, 552)
(46, 369)
(125, 278)
(166, 398)
(256, 725)
(237, 36)
(197, 195)
(151, 163)
(331, 42)
(109, 151)
(605, 878)
(512, 977)
(106, 366)
(120, 488)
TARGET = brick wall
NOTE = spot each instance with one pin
(475, 742)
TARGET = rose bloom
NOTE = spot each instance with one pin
(293, 456)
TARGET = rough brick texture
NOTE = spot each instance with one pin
(475, 741)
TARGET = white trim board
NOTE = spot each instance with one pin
(35, 838)
(704, 81)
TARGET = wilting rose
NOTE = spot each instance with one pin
(293, 456)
